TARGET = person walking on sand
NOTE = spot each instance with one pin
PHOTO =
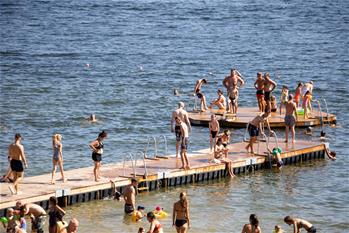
(299, 223)
(183, 115)
(97, 151)
(291, 118)
(214, 130)
(130, 197)
(269, 86)
(231, 82)
(198, 93)
(254, 127)
(259, 85)
(253, 226)
(17, 158)
(180, 216)
(184, 143)
(57, 158)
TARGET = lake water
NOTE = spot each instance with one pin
(139, 52)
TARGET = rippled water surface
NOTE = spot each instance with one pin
(139, 51)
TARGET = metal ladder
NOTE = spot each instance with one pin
(150, 139)
(166, 147)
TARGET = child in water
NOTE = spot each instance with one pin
(139, 214)
(278, 229)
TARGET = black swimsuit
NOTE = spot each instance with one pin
(180, 222)
(16, 165)
(96, 156)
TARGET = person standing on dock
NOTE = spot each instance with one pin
(259, 85)
(299, 223)
(214, 131)
(180, 216)
(184, 143)
(291, 118)
(269, 86)
(231, 82)
(183, 116)
(297, 94)
(130, 197)
(57, 157)
(17, 158)
(97, 151)
(198, 93)
(254, 127)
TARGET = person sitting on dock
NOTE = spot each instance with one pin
(254, 127)
(17, 158)
(155, 225)
(269, 86)
(259, 85)
(130, 197)
(183, 115)
(273, 104)
(221, 156)
(283, 97)
(231, 82)
(214, 130)
(225, 136)
(184, 143)
(198, 93)
(37, 215)
(220, 102)
(291, 118)
(299, 223)
(97, 151)
(253, 226)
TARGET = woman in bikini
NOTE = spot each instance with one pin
(253, 226)
(180, 217)
(97, 151)
(155, 225)
(57, 158)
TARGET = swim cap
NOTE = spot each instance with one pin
(158, 208)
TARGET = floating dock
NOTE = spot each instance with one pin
(153, 173)
(246, 114)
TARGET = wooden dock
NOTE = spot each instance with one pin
(246, 114)
(81, 187)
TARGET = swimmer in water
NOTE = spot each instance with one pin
(155, 225)
(253, 226)
(93, 118)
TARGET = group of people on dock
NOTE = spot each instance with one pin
(15, 221)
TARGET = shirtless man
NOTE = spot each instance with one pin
(37, 215)
(220, 101)
(214, 130)
(299, 223)
(259, 85)
(231, 81)
(17, 158)
(269, 86)
(183, 115)
(72, 226)
(198, 93)
(254, 127)
(184, 144)
(130, 197)
(290, 117)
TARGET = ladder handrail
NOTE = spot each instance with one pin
(141, 153)
(130, 156)
(266, 141)
(276, 138)
(155, 147)
(165, 141)
(326, 107)
(320, 113)
(246, 132)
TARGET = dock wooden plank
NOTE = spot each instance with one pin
(37, 188)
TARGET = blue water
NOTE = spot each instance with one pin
(140, 51)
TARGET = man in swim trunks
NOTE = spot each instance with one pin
(214, 130)
(37, 215)
(184, 143)
(130, 197)
(183, 115)
(259, 85)
(231, 81)
(290, 117)
(198, 93)
(299, 223)
(254, 127)
(220, 102)
(17, 158)
(269, 86)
